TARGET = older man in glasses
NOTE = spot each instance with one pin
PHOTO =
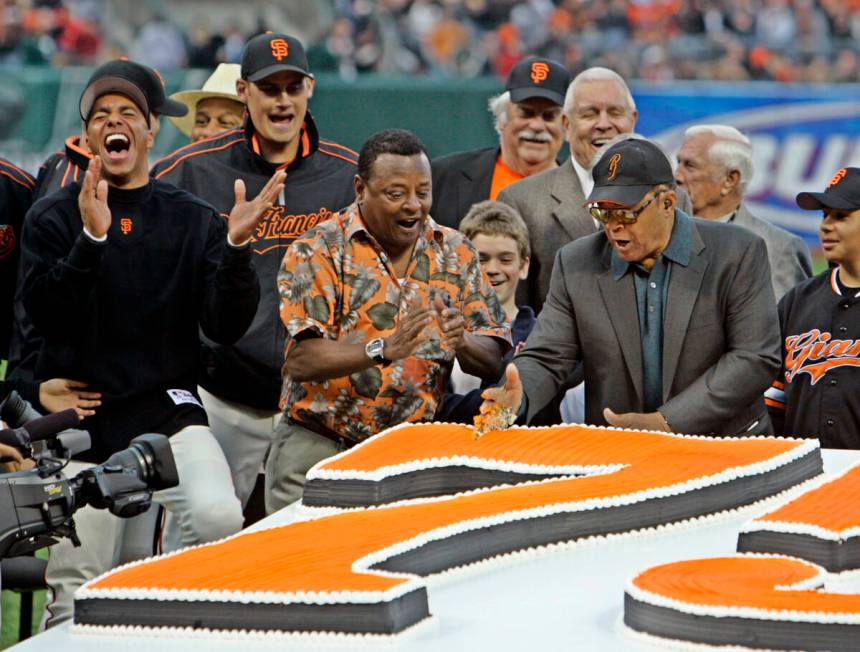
(673, 318)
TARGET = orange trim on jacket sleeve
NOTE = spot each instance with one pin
(223, 134)
(197, 153)
(17, 175)
(328, 153)
(16, 180)
(329, 143)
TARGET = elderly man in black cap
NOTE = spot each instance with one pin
(815, 395)
(673, 319)
(528, 119)
(121, 272)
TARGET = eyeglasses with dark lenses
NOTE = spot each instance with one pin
(622, 215)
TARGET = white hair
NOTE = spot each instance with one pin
(731, 150)
(498, 105)
(596, 73)
(632, 135)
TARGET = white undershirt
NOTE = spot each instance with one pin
(585, 178)
(587, 183)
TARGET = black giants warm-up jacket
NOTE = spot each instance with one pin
(319, 183)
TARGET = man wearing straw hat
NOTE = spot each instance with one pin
(213, 109)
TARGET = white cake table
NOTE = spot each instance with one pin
(563, 600)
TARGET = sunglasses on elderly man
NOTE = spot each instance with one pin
(622, 215)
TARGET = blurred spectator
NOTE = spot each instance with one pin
(159, 45)
(775, 26)
(772, 40)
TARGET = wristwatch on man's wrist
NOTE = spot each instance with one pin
(374, 349)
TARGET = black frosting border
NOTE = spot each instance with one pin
(387, 617)
(421, 483)
(835, 555)
(512, 536)
(755, 633)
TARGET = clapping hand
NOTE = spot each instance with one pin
(452, 325)
(245, 215)
(411, 332)
(92, 200)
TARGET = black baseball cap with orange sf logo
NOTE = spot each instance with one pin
(268, 53)
(842, 194)
(538, 77)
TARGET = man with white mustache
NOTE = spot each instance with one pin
(529, 123)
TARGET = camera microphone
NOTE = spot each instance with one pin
(39, 429)
(48, 426)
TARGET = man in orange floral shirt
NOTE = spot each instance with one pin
(377, 302)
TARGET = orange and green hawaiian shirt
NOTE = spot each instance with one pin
(337, 281)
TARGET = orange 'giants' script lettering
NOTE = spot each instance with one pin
(815, 353)
(371, 561)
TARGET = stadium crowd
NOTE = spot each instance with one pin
(662, 40)
(344, 293)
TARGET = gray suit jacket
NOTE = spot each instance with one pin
(790, 262)
(721, 342)
(551, 203)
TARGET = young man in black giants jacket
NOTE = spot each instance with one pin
(816, 392)
(120, 274)
(241, 383)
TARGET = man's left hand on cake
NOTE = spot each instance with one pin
(501, 405)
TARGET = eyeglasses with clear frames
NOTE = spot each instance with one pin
(622, 215)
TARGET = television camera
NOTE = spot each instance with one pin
(37, 504)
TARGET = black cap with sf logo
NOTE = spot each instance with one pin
(268, 53)
(842, 194)
(538, 77)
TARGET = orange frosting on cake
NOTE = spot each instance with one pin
(832, 506)
(556, 446)
(744, 582)
(318, 555)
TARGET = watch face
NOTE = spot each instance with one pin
(374, 349)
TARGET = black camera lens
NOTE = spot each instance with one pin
(152, 458)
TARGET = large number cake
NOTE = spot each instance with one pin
(823, 527)
(361, 568)
(766, 598)
(755, 601)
